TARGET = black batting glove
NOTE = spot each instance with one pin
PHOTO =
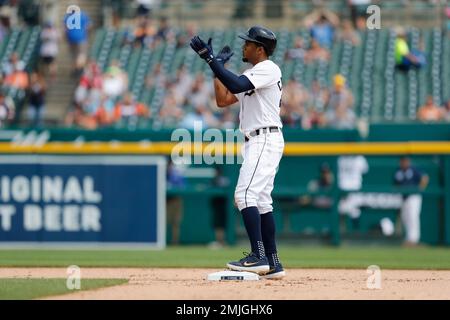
(204, 50)
(224, 55)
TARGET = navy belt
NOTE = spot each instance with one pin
(257, 132)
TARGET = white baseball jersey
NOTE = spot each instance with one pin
(260, 107)
(351, 170)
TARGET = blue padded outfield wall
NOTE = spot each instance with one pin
(82, 199)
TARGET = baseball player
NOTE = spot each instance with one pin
(258, 91)
(408, 176)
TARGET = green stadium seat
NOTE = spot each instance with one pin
(98, 40)
(380, 92)
(10, 47)
(4, 44)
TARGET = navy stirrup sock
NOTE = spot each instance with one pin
(268, 236)
(252, 222)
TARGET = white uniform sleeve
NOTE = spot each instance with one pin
(263, 75)
(364, 165)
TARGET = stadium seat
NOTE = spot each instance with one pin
(380, 92)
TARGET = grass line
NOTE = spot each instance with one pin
(26, 289)
(198, 257)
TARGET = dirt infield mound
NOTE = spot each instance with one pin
(180, 284)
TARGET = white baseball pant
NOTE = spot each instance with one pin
(261, 155)
(410, 214)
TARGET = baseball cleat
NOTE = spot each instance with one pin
(275, 273)
(251, 263)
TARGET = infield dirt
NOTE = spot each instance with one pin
(181, 284)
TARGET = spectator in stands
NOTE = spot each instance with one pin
(81, 116)
(156, 78)
(171, 112)
(144, 33)
(228, 118)
(4, 28)
(18, 79)
(50, 11)
(294, 99)
(128, 111)
(348, 33)
(200, 115)
(28, 11)
(183, 83)
(410, 178)
(91, 109)
(77, 37)
(219, 205)
(316, 53)
(90, 84)
(404, 57)
(175, 180)
(317, 96)
(7, 109)
(358, 10)
(339, 112)
(49, 50)
(297, 51)
(5, 19)
(340, 118)
(322, 24)
(183, 37)
(164, 32)
(430, 112)
(36, 99)
(145, 7)
(199, 93)
(115, 80)
(340, 95)
(447, 111)
(104, 115)
(313, 119)
(12, 64)
(116, 10)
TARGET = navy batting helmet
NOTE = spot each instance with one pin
(262, 36)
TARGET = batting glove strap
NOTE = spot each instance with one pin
(203, 50)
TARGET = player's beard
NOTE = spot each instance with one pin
(244, 59)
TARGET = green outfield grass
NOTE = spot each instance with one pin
(196, 256)
(26, 289)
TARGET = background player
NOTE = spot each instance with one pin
(258, 91)
(408, 176)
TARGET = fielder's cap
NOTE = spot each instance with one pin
(262, 36)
